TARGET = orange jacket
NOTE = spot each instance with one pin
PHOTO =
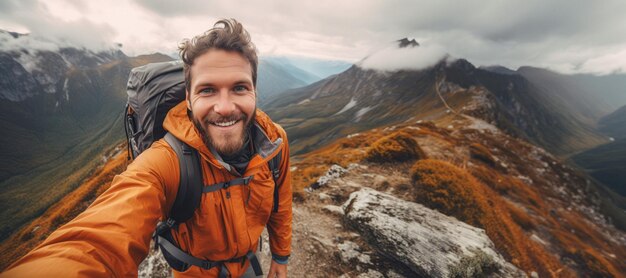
(112, 236)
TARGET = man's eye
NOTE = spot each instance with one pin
(207, 91)
(240, 88)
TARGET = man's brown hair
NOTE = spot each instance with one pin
(226, 34)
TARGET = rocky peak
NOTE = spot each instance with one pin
(405, 42)
(30, 65)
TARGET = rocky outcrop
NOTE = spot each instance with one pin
(426, 241)
(154, 265)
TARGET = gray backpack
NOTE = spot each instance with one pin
(152, 90)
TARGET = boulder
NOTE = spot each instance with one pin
(428, 242)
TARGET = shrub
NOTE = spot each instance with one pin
(482, 154)
(448, 189)
(396, 147)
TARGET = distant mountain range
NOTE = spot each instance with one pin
(278, 74)
(360, 99)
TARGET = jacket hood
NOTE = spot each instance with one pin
(267, 137)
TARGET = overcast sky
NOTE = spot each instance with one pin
(565, 35)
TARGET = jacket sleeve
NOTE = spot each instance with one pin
(280, 222)
(112, 236)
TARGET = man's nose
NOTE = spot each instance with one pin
(225, 104)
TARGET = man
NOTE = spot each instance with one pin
(220, 120)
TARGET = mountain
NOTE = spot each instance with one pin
(280, 73)
(320, 68)
(614, 124)
(588, 101)
(276, 76)
(610, 88)
(60, 110)
(607, 163)
(361, 99)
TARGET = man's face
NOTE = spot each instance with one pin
(222, 99)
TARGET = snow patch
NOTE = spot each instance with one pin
(67, 93)
(347, 107)
(304, 101)
(362, 112)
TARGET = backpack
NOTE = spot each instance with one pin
(153, 89)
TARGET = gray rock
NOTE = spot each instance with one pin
(154, 265)
(426, 241)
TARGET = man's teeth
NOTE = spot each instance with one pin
(225, 123)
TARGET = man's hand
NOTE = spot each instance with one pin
(277, 270)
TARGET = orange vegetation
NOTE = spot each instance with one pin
(63, 211)
(482, 154)
(396, 147)
(499, 190)
(453, 191)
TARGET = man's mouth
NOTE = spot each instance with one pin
(225, 124)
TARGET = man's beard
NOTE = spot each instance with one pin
(232, 144)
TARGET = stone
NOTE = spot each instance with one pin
(426, 241)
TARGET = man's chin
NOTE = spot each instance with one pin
(229, 143)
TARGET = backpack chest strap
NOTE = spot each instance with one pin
(227, 184)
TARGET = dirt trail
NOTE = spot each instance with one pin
(322, 246)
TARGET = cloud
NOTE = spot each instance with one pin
(47, 28)
(566, 35)
(393, 58)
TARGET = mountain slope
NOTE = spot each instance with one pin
(614, 124)
(543, 215)
(56, 132)
(567, 90)
(277, 76)
(607, 163)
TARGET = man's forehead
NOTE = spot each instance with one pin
(221, 60)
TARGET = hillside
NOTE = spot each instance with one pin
(542, 214)
(30, 235)
(54, 137)
(614, 124)
(607, 163)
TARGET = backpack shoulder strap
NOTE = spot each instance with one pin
(274, 165)
(191, 183)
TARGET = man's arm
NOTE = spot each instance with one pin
(279, 226)
(112, 236)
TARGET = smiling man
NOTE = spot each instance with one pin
(240, 197)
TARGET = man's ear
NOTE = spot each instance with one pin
(187, 100)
